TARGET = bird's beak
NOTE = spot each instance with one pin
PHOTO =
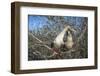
(73, 30)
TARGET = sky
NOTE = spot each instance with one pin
(36, 21)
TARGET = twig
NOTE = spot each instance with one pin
(43, 43)
(83, 32)
(35, 37)
(38, 53)
(40, 41)
(45, 57)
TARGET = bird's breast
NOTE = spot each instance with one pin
(69, 44)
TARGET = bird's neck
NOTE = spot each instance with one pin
(69, 38)
(63, 32)
(61, 35)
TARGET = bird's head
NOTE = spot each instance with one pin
(68, 33)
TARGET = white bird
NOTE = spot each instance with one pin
(69, 41)
(59, 39)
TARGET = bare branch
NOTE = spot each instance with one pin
(35, 37)
(38, 53)
(82, 34)
(42, 42)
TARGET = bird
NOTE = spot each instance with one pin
(69, 40)
(58, 41)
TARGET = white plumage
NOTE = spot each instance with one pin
(59, 39)
(69, 43)
(58, 42)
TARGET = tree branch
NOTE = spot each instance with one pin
(42, 42)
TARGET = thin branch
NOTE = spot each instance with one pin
(43, 56)
(38, 53)
(83, 32)
(35, 37)
(50, 56)
(42, 42)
